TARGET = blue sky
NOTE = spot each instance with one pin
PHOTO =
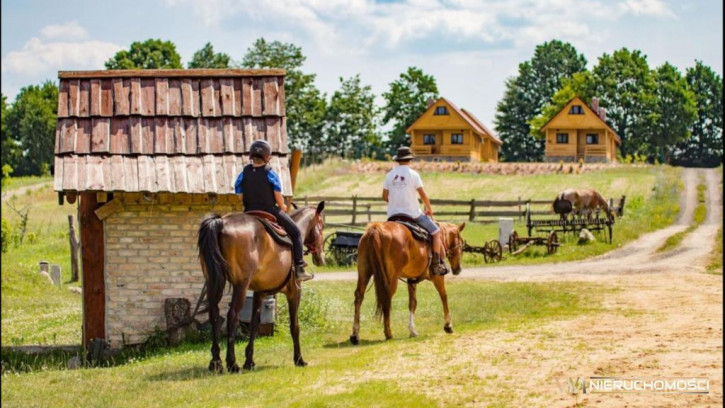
(470, 46)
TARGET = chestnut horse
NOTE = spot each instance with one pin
(585, 202)
(388, 252)
(237, 249)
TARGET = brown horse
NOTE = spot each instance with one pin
(388, 252)
(237, 249)
(585, 202)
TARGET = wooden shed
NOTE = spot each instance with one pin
(445, 132)
(580, 132)
(148, 153)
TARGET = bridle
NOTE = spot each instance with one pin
(311, 247)
(459, 240)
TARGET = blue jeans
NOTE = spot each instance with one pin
(427, 224)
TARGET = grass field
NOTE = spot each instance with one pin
(33, 312)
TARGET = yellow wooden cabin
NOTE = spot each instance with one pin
(446, 133)
(579, 132)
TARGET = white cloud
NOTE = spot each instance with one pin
(655, 8)
(38, 56)
(68, 31)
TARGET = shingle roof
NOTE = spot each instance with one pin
(166, 130)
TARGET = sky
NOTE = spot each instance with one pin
(470, 46)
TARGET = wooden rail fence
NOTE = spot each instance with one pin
(362, 210)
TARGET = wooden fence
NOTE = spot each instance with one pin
(362, 210)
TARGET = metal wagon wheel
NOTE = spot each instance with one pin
(552, 243)
(513, 242)
(492, 251)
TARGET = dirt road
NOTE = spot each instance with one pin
(663, 321)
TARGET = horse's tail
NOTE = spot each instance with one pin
(210, 253)
(377, 264)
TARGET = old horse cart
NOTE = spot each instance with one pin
(341, 246)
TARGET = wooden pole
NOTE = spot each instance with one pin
(294, 167)
(74, 244)
(93, 259)
(472, 212)
(354, 208)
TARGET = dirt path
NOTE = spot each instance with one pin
(22, 190)
(664, 320)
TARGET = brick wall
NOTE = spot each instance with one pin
(151, 255)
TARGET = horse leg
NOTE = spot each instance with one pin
(253, 329)
(293, 300)
(386, 310)
(215, 365)
(441, 288)
(362, 282)
(238, 296)
(412, 304)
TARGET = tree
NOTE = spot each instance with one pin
(150, 54)
(207, 58)
(704, 146)
(31, 121)
(675, 110)
(626, 88)
(10, 146)
(406, 100)
(304, 103)
(526, 95)
(351, 119)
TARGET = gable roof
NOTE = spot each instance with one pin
(468, 117)
(178, 131)
(576, 98)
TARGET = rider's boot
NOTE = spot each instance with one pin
(300, 273)
(437, 265)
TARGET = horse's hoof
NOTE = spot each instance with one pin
(249, 365)
(354, 340)
(215, 366)
(234, 368)
(448, 329)
(412, 334)
(300, 362)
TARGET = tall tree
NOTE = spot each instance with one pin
(704, 146)
(207, 58)
(303, 101)
(10, 147)
(675, 112)
(527, 93)
(626, 88)
(351, 119)
(31, 121)
(150, 54)
(406, 100)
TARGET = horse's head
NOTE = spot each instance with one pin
(454, 244)
(313, 238)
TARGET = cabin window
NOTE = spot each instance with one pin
(441, 110)
(456, 138)
(562, 138)
(429, 139)
(576, 110)
(592, 138)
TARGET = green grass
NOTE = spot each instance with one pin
(715, 266)
(652, 203)
(339, 374)
(13, 183)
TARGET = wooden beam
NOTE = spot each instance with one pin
(170, 73)
(108, 209)
(92, 262)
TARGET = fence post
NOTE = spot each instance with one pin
(472, 211)
(519, 200)
(306, 205)
(369, 215)
(354, 208)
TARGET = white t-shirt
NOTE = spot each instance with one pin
(402, 184)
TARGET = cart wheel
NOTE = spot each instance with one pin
(331, 254)
(493, 250)
(513, 241)
(552, 243)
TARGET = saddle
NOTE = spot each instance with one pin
(273, 229)
(418, 232)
